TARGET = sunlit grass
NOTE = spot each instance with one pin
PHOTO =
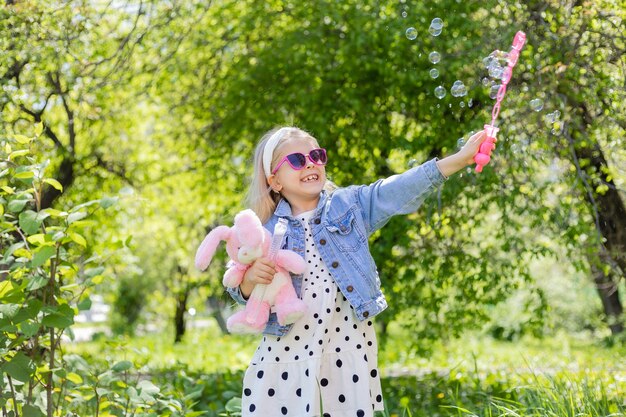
(209, 350)
(472, 376)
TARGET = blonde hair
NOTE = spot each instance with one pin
(261, 198)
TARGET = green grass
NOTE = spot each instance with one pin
(476, 375)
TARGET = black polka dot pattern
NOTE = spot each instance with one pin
(327, 353)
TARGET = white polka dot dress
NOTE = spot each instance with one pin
(325, 366)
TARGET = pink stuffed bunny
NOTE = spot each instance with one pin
(246, 241)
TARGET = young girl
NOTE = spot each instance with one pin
(326, 363)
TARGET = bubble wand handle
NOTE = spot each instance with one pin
(483, 156)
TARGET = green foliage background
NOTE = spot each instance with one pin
(156, 106)
(160, 104)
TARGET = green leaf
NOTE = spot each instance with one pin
(39, 239)
(22, 139)
(19, 367)
(78, 238)
(29, 222)
(75, 217)
(12, 248)
(29, 329)
(9, 310)
(36, 282)
(60, 317)
(84, 304)
(24, 174)
(5, 288)
(42, 254)
(15, 206)
(58, 321)
(107, 202)
(56, 184)
(15, 154)
(122, 366)
(30, 311)
(7, 189)
(55, 213)
(147, 387)
(32, 411)
(92, 272)
(233, 405)
(38, 128)
(75, 378)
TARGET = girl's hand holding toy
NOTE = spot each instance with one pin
(262, 271)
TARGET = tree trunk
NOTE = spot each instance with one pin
(65, 175)
(216, 312)
(610, 218)
(611, 304)
(179, 317)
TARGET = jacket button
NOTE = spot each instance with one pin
(366, 314)
(322, 241)
(318, 221)
(335, 264)
(350, 288)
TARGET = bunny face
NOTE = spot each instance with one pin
(248, 254)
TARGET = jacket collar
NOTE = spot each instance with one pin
(283, 209)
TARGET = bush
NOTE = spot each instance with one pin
(45, 279)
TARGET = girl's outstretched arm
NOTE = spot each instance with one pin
(453, 163)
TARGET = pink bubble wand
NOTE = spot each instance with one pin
(483, 156)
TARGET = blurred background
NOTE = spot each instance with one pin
(128, 129)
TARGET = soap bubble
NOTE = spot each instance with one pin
(440, 92)
(436, 26)
(458, 89)
(506, 75)
(536, 104)
(485, 81)
(470, 103)
(500, 55)
(412, 163)
(437, 23)
(462, 104)
(434, 57)
(404, 14)
(411, 33)
(553, 117)
(493, 92)
(460, 143)
(434, 73)
(434, 32)
(496, 71)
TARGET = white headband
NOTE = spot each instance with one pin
(268, 151)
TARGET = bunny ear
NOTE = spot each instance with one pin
(209, 246)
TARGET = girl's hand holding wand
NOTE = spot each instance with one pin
(464, 157)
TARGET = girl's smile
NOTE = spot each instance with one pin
(301, 186)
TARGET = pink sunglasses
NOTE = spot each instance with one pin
(297, 160)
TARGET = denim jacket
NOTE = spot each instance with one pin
(341, 225)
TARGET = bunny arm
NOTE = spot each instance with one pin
(234, 274)
(209, 245)
(290, 261)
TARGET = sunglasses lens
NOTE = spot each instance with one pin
(297, 160)
(319, 156)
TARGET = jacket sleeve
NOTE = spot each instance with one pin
(236, 294)
(399, 194)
